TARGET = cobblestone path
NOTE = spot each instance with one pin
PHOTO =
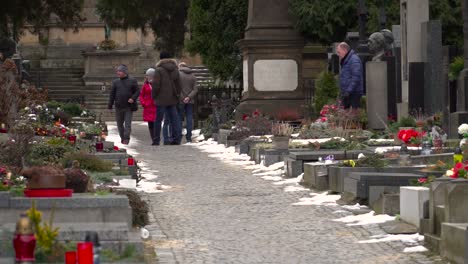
(221, 213)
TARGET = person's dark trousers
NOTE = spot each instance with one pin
(167, 129)
(124, 123)
(151, 129)
(187, 111)
(353, 100)
(171, 111)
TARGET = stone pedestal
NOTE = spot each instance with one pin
(376, 82)
(272, 68)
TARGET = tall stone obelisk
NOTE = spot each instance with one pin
(272, 61)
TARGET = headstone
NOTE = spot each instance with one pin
(376, 82)
(435, 92)
(416, 83)
(446, 85)
(272, 61)
(412, 14)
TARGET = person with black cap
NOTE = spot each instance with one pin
(166, 91)
(124, 95)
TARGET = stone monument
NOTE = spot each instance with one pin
(461, 116)
(412, 14)
(272, 61)
(380, 80)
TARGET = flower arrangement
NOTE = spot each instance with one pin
(463, 130)
(327, 111)
(423, 181)
(460, 170)
(410, 136)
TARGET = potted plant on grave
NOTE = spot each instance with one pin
(92, 131)
(420, 117)
(281, 135)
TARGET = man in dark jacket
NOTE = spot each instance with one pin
(189, 89)
(166, 90)
(351, 80)
(124, 95)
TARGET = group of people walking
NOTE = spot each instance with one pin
(167, 95)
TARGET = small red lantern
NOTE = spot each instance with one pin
(85, 253)
(24, 241)
(70, 257)
(72, 139)
(99, 146)
(131, 161)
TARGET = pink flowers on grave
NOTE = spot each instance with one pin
(327, 110)
(422, 180)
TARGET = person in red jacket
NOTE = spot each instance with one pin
(147, 102)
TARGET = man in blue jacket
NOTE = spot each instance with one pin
(351, 80)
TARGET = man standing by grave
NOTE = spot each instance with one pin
(124, 95)
(165, 93)
(188, 84)
(351, 80)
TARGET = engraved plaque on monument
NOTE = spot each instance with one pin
(272, 67)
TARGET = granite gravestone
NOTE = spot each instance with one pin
(412, 14)
(435, 92)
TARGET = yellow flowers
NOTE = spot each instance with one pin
(350, 163)
(45, 234)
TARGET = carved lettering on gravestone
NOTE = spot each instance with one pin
(275, 75)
